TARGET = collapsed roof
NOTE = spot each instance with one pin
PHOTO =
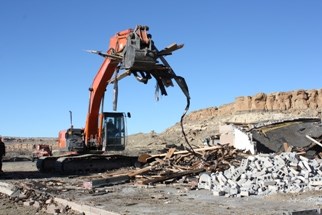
(274, 136)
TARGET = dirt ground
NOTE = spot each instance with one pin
(9, 208)
(132, 198)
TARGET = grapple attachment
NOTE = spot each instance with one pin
(140, 57)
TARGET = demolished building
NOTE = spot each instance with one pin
(274, 136)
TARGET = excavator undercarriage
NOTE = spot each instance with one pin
(85, 163)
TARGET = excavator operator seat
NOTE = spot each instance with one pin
(114, 131)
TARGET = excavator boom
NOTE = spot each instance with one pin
(135, 52)
(130, 52)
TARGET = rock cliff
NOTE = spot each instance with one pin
(293, 102)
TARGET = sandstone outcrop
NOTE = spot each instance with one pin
(292, 102)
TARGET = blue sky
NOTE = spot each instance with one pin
(232, 48)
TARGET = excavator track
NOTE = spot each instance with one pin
(82, 164)
(46, 164)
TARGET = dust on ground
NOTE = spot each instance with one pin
(174, 198)
(131, 198)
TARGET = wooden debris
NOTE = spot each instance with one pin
(313, 140)
(173, 165)
(176, 164)
(140, 171)
(171, 176)
(106, 182)
(287, 147)
(170, 153)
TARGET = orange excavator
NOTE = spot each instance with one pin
(130, 52)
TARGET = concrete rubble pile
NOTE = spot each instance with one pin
(265, 174)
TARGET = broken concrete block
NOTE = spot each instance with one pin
(272, 188)
(314, 163)
(316, 181)
(255, 174)
(302, 179)
(214, 179)
(221, 178)
(228, 173)
(303, 158)
(218, 193)
(258, 164)
(263, 192)
(234, 190)
(244, 193)
(244, 165)
(301, 165)
(241, 182)
(279, 162)
(27, 203)
(269, 183)
(205, 181)
(281, 185)
(293, 171)
(305, 173)
(232, 183)
(281, 174)
(267, 163)
(307, 166)
(236, 175)
(252, 158)
(301, 185)
(292, 159)
(255, 187)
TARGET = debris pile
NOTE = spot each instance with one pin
(28, 195)
(265, 174)
(174, 165)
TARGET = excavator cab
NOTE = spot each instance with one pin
(114, 131)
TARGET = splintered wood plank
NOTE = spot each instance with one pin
(172, 176)
(187, 152)
(140, 171)
(170, 153)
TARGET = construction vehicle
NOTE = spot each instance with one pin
(130, 52)
(41, 150)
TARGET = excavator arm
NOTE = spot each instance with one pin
(130, 52)
(134, 52)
